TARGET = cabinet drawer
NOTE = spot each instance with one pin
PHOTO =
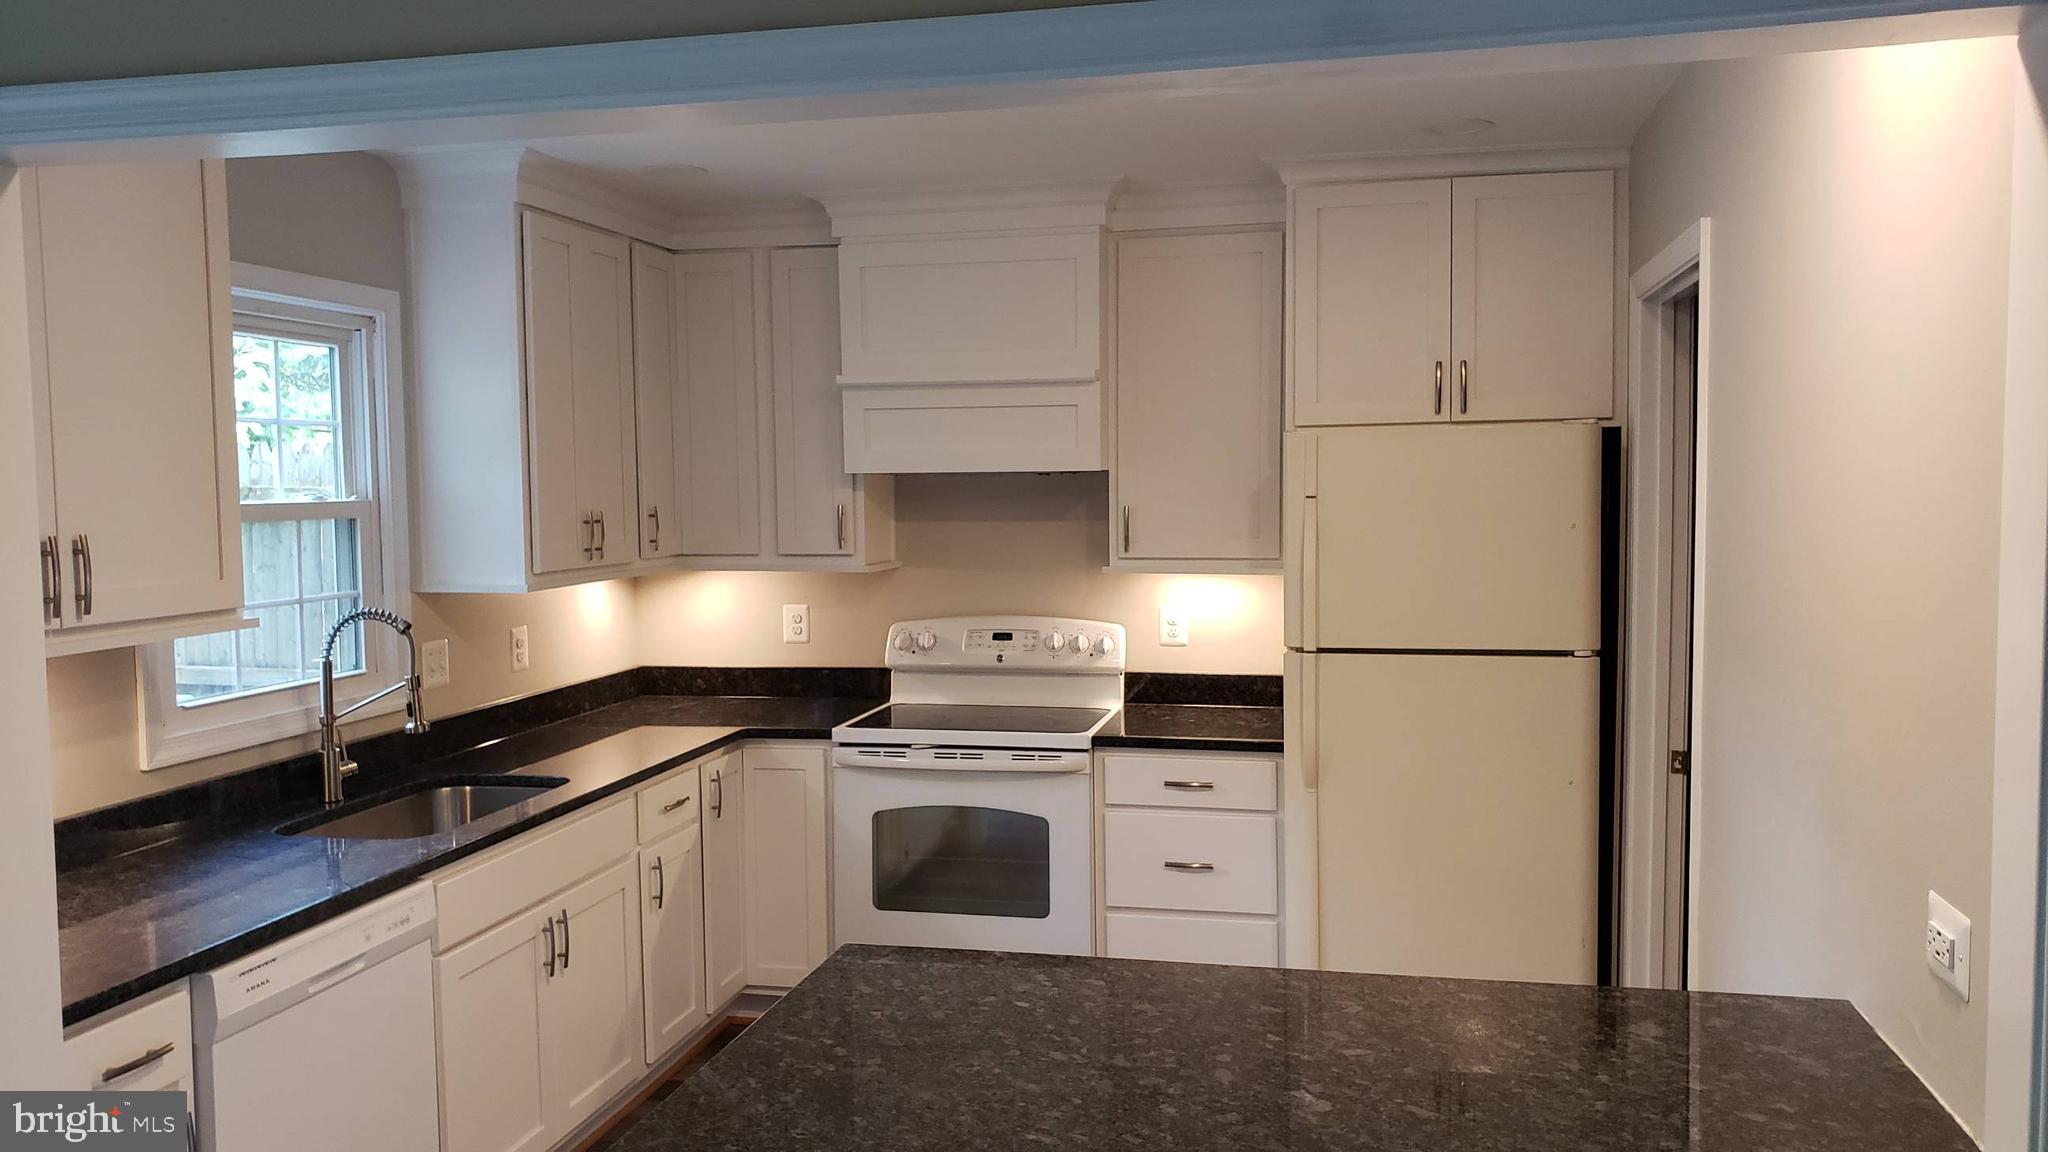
(1193, 939)
(528, 870)
(669, 804)
(1191, 861)
(1190, 782)
(127, 1039)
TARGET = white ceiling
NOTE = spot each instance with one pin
(1217, 127)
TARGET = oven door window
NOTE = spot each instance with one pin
(960, 861)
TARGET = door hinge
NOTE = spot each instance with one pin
(1681, 763)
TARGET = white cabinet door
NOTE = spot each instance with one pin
(1441, 537)
(725, 881)
(694, 372)
(787, 864)
(1458, 814)
(590, 1019)
(672, 939)
(1533, 279)
(1198, 399)
(138, 388)
(814, 496)
(579, 382)
(489, 993)
(1371, 302)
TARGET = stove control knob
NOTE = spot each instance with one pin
(905, 641)
(1105, 646)
(1054, 641)
(927, 640)
(1080, 643)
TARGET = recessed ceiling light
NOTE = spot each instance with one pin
(675, 171)
(1460, 126)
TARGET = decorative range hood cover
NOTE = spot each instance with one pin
(971, 333)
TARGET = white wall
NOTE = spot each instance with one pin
(1858, 296)
(340, 217)
(969, 543)
(2014, 956)
(30, 999)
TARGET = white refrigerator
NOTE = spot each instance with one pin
(1443, 625)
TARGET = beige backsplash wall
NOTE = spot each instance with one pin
(969, 544)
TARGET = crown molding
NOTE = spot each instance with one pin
(784, 224)
(1297, 171)
(1203, 205)
(580, 194)
(1062, 207)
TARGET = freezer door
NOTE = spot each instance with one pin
(1428, 537)
(1458, 813)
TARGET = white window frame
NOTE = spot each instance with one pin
(174, 735)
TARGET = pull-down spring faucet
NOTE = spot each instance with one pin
(335, 766)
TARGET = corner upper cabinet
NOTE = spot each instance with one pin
(129, 314)
(523, 422)
(1475, 298)
(694, 370)
(1198, 401)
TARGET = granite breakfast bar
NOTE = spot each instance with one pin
(910, 1050)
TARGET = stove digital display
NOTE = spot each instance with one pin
(1002, 640)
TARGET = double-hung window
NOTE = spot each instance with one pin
(313, 417)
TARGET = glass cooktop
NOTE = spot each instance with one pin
(981, 718)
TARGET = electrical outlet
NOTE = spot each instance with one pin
(1173, 626)
(796, 623)
(522, 654)
(1948, 944)
(434, 664)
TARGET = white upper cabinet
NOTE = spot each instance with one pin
(694, 329)
(1532, 301)
(972, 308)
(1372, 302)
(129, 325)
(1474, 298)
(820, 510)
(579, 391)
(1198, 399)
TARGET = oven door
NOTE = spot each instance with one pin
(939, 858)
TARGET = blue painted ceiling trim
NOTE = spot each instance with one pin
(1013, 47)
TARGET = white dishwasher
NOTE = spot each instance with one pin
(324, 1042)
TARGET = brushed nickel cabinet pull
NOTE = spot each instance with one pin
(1192, 785)
(565, 939)
(589, 537)
(53, 581)
(547, 929)
(673, 805)
(660, 884)
(143, 1061)
(81, 556)
(1439, 387)
(718, 795)
(1190, 866)
(839, 520)
(599, 517)
(1464, 387)
(654, 536)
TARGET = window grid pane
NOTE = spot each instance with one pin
(288, 402)
(310, 574)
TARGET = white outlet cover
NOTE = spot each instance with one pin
(1173, 626)
(434, 664)
(522, 653)
(796, 623)
(1943, 915)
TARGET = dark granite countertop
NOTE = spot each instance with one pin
(902, 1050)
(1194, 728)
(141, 919)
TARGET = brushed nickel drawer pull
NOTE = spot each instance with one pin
(143, 1061)
(673, 805)
(1192, 785)
(1190, 866)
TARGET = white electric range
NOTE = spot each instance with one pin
(962, 808)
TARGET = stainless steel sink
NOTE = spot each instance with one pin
(427, 809)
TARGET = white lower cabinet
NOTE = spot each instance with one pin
(1191, 858)
(725, 880)
(672, 939)
(540, 1015)
(788, 864)
(141, 1047)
